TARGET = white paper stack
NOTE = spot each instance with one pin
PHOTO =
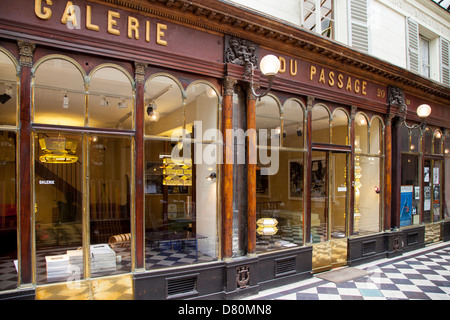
(76, 260)
(57, 266)
(103, 258)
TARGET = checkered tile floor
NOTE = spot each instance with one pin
(423, 275)
(165, 256)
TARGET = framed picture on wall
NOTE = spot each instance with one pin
(295, 179)
(262, 184)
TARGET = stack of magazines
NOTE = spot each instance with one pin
(103, 258)
(76, 260)
(57, 266)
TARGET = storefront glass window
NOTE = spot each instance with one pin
(8, 90)
(361, 133)
(320, 124)
(279, 191)
(368, 168)
(82, 181)
(181, 177)
(410, 190)
(428, 141)
(111, 102)
(376, 136)
(8, 165)
(59, 93)
(437, 142)
(109, 204)
(58, 167)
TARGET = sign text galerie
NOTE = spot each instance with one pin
(71, 17)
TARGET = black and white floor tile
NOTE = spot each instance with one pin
(423, 275)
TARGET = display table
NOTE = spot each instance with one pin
(174, 238)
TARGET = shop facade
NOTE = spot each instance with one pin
(137, 163)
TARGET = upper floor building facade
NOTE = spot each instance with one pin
(413, 35)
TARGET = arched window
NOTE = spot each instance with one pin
(339, 127)
(320, 124)
(293, 124)
(361, 133)
(111, 98)
(268, 117)
(58, 92)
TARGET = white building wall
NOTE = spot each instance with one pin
(287, 10)
(387, 34)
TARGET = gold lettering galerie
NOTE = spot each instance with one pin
(43, 10)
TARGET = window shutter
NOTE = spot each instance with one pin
(412, 45)
(359, 30)
(445, 62)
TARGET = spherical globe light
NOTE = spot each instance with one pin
(423, 110)
(270, 65)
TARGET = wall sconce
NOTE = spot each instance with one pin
(211, 177)
(269, 66)
(423, 111)
(152, 113)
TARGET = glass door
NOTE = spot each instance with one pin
(329, 207)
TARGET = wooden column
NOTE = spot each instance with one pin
(25, 152)
(251, 173)
(227, 169)
(396, 167)
(388, 171)
(308, 163)
(139, 166)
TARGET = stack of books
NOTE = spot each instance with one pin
(58, 266)
(103, 258)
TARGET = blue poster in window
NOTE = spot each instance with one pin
(406, 195)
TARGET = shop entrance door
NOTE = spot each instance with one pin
(329, 209)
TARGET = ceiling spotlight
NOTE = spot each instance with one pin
(211, 177)
(122, 105)
(104, 102)
(4, 98)
(65, 101)
(152, 113)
